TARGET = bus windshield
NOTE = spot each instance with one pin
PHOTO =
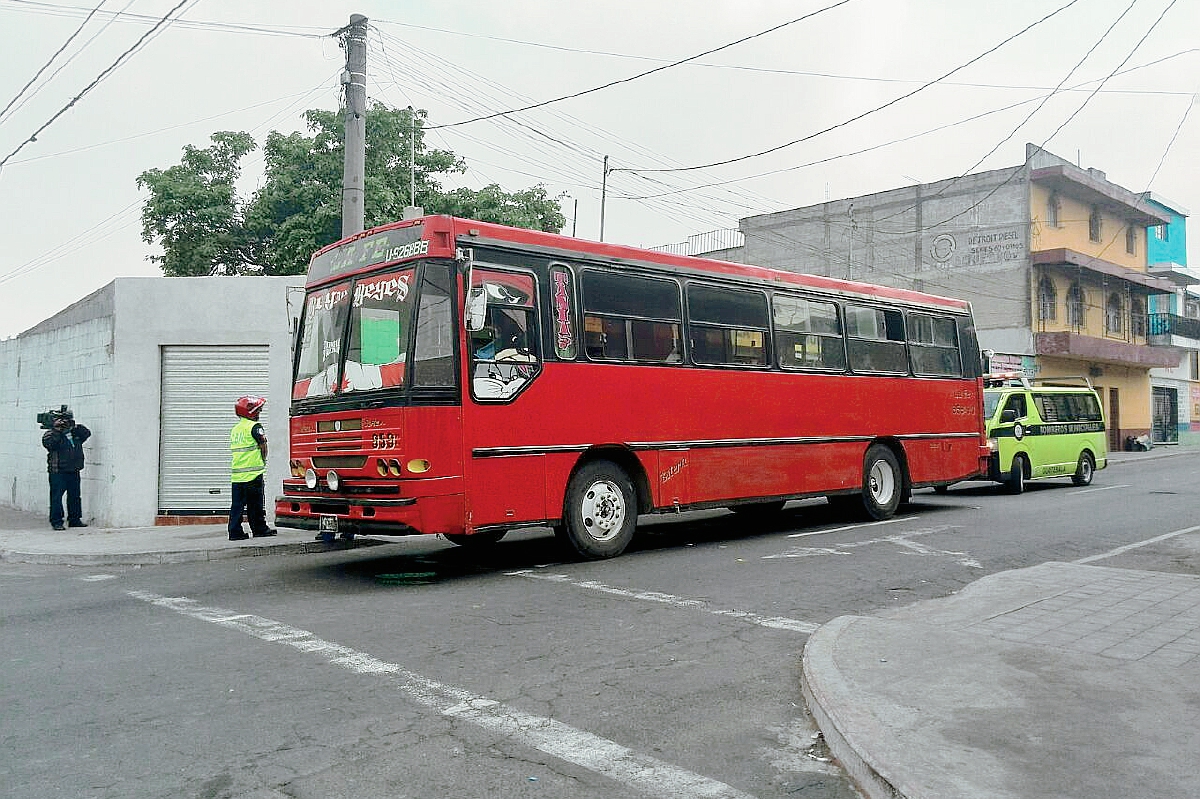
(378, 310)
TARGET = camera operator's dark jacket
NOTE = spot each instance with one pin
(64, 448)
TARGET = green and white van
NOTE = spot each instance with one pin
(1036, 430)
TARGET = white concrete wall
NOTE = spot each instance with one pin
(102, 356)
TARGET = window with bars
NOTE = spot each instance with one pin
(1114, 315)
(1047, 300)
(1076, 308)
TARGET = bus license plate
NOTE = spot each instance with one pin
(328, 524)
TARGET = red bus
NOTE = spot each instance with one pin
(465, 378)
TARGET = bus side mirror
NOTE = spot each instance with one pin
(1008, 416)
(476, 308)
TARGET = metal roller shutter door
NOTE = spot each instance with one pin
(199, 388)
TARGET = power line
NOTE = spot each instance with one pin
(51, 9)
(50, 61)
(108, 71)
(610, 84)
(864, 114)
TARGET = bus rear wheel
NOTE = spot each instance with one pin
(883, 483)
(600, 511)
(1085, 471)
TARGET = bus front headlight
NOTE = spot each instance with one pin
(310, 479)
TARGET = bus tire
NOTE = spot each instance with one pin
(1085, 471)
(883, 483)
(600, 512)
(1016, 477)
(475, 540)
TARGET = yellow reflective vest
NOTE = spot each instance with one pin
(246, 460)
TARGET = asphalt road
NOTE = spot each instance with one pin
(421, 669)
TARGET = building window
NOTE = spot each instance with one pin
(1162, 233)
(1194, 365)
(1075, 307)
(1131, 240)
(1137, 316)
(1114, 315)
(1191, 308)
(1047, 300)
(1094, 225)
(1053, 207)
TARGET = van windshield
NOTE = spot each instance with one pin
(990, 400)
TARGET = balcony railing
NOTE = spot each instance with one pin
(1168, 324)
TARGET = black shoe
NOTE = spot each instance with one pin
(58, 527)
(238, 536)
(326, 537)
(347, 536)
(76, 524)
(266, 533)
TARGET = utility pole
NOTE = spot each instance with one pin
(354, 79)
(603, 196)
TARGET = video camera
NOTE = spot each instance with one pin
(48, 418)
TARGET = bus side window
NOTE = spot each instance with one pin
(728, 326)
(628, 318)
(876, 340)
(808, 334)
(933, 345)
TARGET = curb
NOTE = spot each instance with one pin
(180, 556)
(823, 689)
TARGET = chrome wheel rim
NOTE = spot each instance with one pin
(603, 510)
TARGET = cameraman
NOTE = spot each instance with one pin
(64, 460)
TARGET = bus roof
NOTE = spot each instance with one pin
(445, 232)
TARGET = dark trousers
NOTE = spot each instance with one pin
(250, 496)
(65, 483)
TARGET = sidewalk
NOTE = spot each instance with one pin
(1056, 681)
(27, 538)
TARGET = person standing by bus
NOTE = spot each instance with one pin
(64, 461)
(247, 462)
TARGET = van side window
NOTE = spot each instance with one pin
(1016, 402)
(727, 326)
(629, 318)
(1076, 407)
(876, 340)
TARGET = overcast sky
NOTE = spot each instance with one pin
(70, 207)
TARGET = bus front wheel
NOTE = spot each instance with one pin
(600, 512)
(883, 483)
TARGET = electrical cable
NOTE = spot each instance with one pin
(671, 65)
(864, 114)
(96, 81)
(50, 61)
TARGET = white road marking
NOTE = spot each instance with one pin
(96, 578)
(641, 773)
(1101, 488)
(903, 540)
(774, 622)
(847, 527)
(1123, 549)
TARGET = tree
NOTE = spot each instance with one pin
(205, 228)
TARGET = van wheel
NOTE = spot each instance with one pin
(1085, 471)
(1016, 478)
(600, 512)
(883, 483)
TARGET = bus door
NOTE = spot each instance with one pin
(505, 434)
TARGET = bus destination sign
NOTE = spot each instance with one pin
(389, 245)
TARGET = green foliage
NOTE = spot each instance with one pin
(204, 228)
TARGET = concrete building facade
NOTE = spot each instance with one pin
(152, 366)
(1175, 321)
(1052, 257)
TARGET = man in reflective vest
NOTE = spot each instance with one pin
(247, 462)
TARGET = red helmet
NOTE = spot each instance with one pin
(249, 407)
